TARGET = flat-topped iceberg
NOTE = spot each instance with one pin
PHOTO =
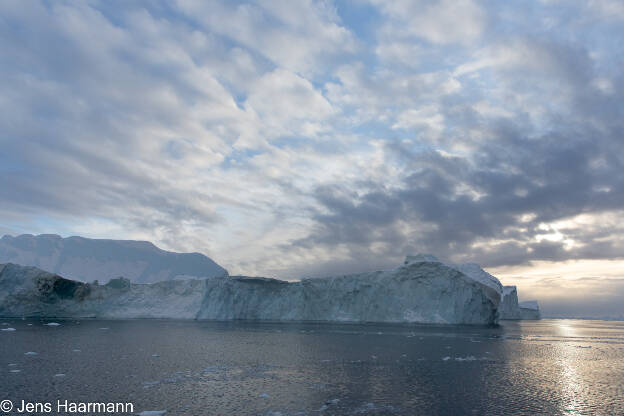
(422, 290)
(529, 310)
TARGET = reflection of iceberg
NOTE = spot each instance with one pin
(420, 290)
(530, 310)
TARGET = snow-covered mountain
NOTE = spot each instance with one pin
(419, 291)
(86, 259)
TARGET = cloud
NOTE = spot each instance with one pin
(288, 105)
(298, 37)
(294, 140)
(437, 22)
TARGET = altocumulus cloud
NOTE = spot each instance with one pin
(305, 138)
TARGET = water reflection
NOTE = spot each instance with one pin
(242, 368)
(571, 391)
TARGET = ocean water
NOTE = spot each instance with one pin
(553, 367)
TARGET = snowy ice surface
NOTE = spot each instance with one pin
(475, 271)
(86, 259)
(420, 291)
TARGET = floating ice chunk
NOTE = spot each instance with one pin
(155, 355)
(468, 358)
(12, 365)
(29, 324)
(31, 353)
(264, 396)
(7, 329)
(446, 358)
(53, 324)
(103, 329)
(15, 371)
(59, 375)
(152, 413)
(150, 384)
(76, 350)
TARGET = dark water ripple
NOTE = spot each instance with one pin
(549, 367)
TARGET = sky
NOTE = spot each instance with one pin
(309, 138)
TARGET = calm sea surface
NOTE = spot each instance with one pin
(239, 368)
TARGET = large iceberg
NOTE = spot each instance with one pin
(509, 307)
(419, 291)
(530, 310)
(509, 303)
(86, 259)
(474, 271)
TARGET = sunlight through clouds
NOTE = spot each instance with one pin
(306, 138)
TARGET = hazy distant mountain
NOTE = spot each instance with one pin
(87, 259)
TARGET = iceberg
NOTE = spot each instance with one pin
(422, 290)
(474, 271)
(530, 310)
(509, 307)
(509, 303)
(86, 259)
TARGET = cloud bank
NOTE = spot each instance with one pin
(320, 137)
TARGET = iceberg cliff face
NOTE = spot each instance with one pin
(509, 303)
(475, 271)
(31, 292)
(530, 310)
(509, 307)
(86, 259)
(419, 291)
